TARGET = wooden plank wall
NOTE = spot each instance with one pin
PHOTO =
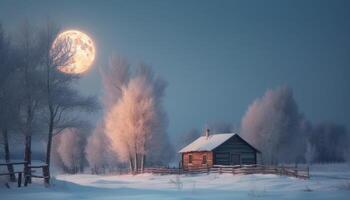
(235, 145)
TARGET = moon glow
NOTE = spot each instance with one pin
(82, 50)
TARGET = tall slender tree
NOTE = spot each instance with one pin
(8, 98)
(136, 123)
(62, 100)
(30, 73)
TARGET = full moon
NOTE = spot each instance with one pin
(82, 51)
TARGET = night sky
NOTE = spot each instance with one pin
(217, 56)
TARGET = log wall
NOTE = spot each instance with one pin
(197, 160)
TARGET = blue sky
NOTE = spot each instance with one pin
(217, 56)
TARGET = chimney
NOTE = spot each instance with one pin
(207, 133)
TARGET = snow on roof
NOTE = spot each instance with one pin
(207, 144)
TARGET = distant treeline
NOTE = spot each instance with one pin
(274, 124)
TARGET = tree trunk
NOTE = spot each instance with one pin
(48, 148)
(131, 164)
(143, 158)
(7, 155)
(136, 163)
(27, 156)
(49, 143)
(28, 137)
(81, 165)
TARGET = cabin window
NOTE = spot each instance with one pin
(190, 158)
(204, 160)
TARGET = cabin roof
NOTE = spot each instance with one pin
(207, 144)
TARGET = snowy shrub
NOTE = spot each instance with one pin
(177, 182)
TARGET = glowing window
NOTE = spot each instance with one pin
(190, 158)
(204, 160)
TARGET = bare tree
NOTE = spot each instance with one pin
(61, 99)
(8, 98)
(31, 83)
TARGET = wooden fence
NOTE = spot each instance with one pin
(299, 172)
(27, 172)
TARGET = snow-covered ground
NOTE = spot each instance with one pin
(327, 182)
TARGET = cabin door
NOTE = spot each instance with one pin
(235, 159)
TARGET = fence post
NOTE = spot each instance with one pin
(281, 170)
(19, 179)
(26, 175)
(46, 175)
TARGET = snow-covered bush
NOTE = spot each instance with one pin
(177, 182)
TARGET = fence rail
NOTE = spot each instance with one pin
(27, 172)
(299, 172)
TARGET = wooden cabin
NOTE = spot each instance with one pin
(218, 149)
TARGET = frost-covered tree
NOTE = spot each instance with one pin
(71, 150)
(57, 162)
(114, 78)
(98, 153)
(136, 122)
(310, 153)
(274, 125)
(160, 151)
(330, 141)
